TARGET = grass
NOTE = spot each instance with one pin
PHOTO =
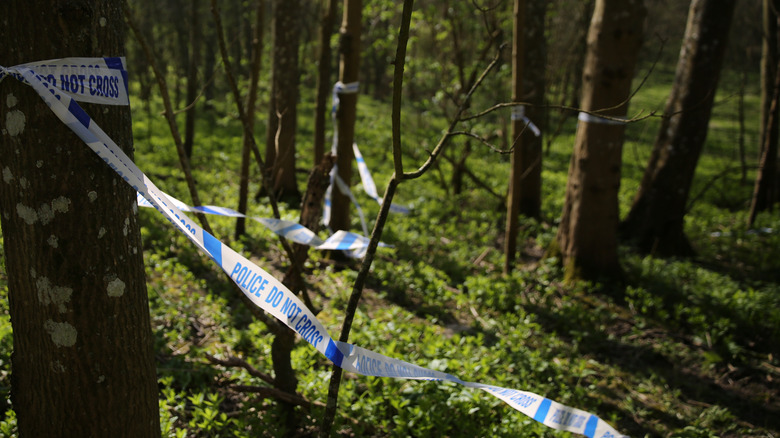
(686, 348)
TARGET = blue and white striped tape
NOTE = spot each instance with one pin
(365, 175)
(353, 243)
(271, 295)
(591, 118)
(93, 80)
(368, 182)
(518, 113)
(340, 88)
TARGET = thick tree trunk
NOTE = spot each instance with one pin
(587, 236)
(655, 221)
(349, 68)
(83, 363)
(282, 117)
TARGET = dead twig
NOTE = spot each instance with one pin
(233, 361)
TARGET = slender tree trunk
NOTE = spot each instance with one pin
(209, 64)
(769, 56)
(587, 236)
(534, 72)
(234, 15)
(765, 193)
(324, 83)
(515, 177)
(192, 78)
(655, 221)
(349, 68)
(525, 189)
(282, 117)
(181, 51)
(83, 363)
(579, 54)
(251, 99)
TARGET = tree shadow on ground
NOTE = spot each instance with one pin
(740, 393)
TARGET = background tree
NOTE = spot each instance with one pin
(83, 362)
(349, 69)
(765, 191)
(251, 101)
(324, 80)
(655, 221)
(568, 30)
(587, 235)
(535, 94)
(525, 187)
(283, 116)
(193, 63)
(518, 126)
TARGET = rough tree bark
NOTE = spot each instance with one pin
(587, 236)
(655, 222)
(83, 361)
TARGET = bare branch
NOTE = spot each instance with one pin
(269, 392)
(457, 119)
(233, 361)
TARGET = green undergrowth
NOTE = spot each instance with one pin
(684, 348)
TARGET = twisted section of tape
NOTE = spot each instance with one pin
(518, 113)
(271, 295)
(365, 175)
(341, 240)
(340, 88)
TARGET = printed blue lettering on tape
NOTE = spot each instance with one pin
(116, 63)
(541, 413)
(590, 426)
(213, 246)
(79, 113)
(334, 354)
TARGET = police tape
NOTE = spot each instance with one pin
(354, 244)
(368, 182)
(518, 113)
(93, 80)
(369, 187)
(592, 118)
(272, 296)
